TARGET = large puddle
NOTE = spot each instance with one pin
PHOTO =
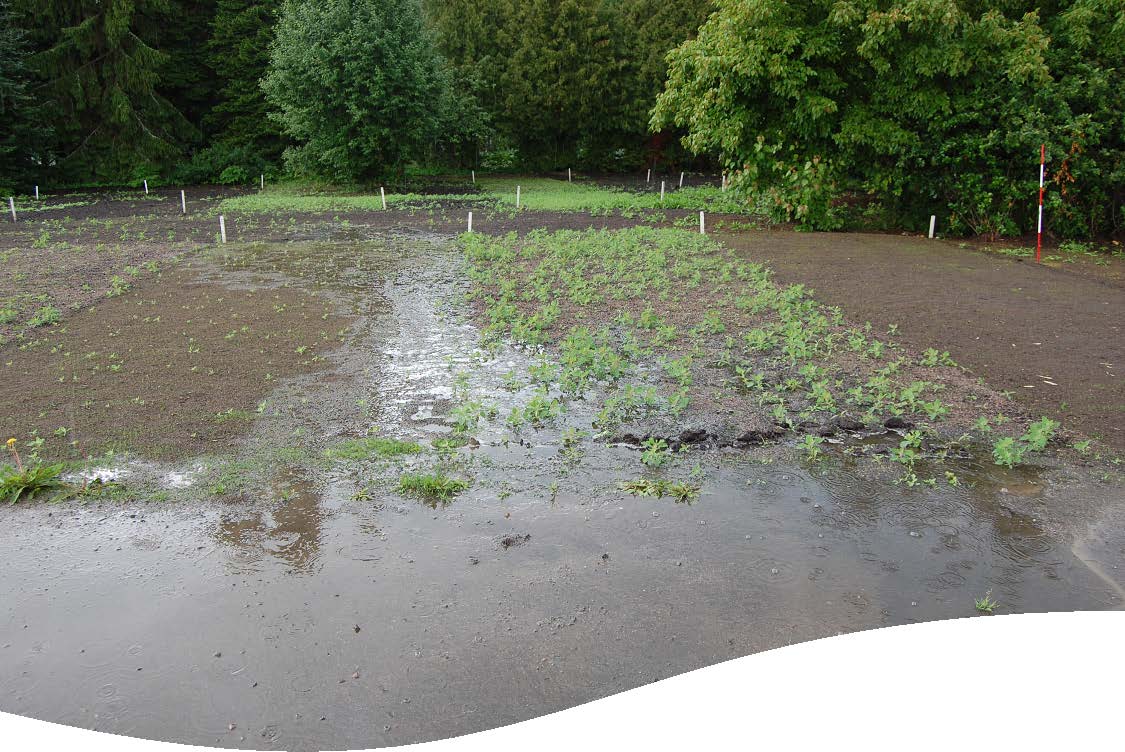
(322, 610)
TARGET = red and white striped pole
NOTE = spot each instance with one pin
(1039, 239)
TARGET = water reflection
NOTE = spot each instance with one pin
(289, 532)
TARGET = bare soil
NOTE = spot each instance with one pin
(1052, 338)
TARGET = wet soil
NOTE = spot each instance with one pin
(1053, 339)
(249, 592)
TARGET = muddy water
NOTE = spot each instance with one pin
(297, 616)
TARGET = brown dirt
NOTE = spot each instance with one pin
(987, 310)
(1016, 324)
(158, 368)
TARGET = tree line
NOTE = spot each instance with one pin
(831, 110)
(106, 91)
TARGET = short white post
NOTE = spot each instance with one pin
(383, 196)
(474, 176)
(12, 207)
(933, 224)
(517, 197)
(702, 226)
(724, 182)
(222, 228)
(183, 203)
(36, 193)
(470, 221)
(568, 175)
(681, 180)
(262, 181)
(146, 187)
(662, 191)
(648, 175)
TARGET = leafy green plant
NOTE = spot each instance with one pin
(44, 316)
(680, 491)
(434, 485)
(811, 444)
(986, 604)
(20, 481)
(656, 453)
(372, 446)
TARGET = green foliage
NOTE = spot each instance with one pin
(933, 107)
(986, 604)
(25, 482)
(1010, 452)
(21, 137)
(100, 77)
(357, 85)
(238, 51)
(372, 446)
(565, 83)
(656, 452)
(683, 493)
(435, 486)
(43, 316)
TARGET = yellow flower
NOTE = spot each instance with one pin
(11, 442)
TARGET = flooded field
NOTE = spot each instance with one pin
(267, 580)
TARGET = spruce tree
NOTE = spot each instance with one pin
(22, 130)
(239, 53)
(101, 75)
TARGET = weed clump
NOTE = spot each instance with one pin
(435, 486)
(19, 481)
(372, 446)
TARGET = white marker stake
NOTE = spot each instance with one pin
(702, 226)
(662, 191)
(183, 203)
(470, 221)
(383, 196)
(262, 181)
(222, 228)
(12, 207)
(681, 180)
(568, 175)
(36, 193)
(724, 183)
(146, 187)
(648, 176)
(517, 197)
(474, 177)
(933, 224)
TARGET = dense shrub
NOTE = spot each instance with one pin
(933, 106)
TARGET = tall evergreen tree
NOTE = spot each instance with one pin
(100, 74)
(559, 84)
(239, 52)
(21, 131)
(187, 78)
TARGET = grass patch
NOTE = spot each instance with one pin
(544, 194)
(434, 486)
(372, 446)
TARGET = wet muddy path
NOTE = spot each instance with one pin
(278, 600)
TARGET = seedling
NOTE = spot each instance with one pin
(986, 604)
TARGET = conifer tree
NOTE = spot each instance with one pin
(100, 75)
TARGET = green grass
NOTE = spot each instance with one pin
(537, 194)
(436, 485)
(372, 446)
(545, 194)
